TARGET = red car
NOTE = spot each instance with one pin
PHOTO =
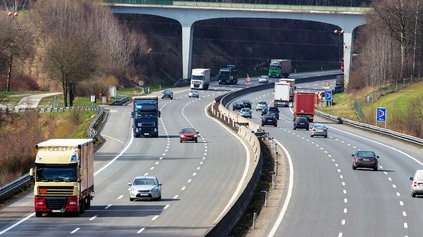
(188, 134)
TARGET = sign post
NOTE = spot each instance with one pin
(381, 115)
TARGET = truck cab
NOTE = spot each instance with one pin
(228, 75)
(145, 114)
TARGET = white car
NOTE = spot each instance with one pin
(263, 79)
(417, 185)
(145, 187)
(261, 105)
(194, 93)
(246, 113)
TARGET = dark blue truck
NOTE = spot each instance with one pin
(145, 116)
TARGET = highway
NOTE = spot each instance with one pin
(199, 180)
(329, 198)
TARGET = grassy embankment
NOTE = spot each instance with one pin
(400, 105)
(24, 130)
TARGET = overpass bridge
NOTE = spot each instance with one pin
(189, 12)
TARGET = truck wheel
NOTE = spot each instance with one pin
(82, 206)
(88, 203)
(38, 214)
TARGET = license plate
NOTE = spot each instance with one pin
(366, 159)
(56, 211)
(144, 194)
(147, 133)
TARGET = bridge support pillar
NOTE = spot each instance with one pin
(348, 38)
(187, 34)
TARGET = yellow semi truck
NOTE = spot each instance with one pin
(64, 176)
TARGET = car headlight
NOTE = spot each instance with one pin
(155, 189)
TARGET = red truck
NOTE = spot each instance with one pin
(304, 105)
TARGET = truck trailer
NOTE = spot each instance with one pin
(282, 92)
(200, 78)
(145, 116)
(304, 105)
(280, 68)
(292, 88)
(64, 176)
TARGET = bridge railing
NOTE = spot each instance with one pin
(223, 5)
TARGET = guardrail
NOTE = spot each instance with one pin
(372, 128)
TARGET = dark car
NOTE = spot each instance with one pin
(238, 105)
(365, 159)
(188, 134)
(269, 119)
(273, 110)
(301, 122)
(247, 103)
(167, 94)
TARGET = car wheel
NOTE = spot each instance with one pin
(180, 141)
(295, 128)
(375, 168)
(354, 167)
(413, 194)
(326, 136)
(196, 140)
(275, 125)
(38, 214)
(131, 199)
(262, 124)
(307, 129)
(311, 135)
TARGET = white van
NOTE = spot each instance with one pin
(417, 185)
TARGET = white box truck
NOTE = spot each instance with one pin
(200, 78)
(282, 94)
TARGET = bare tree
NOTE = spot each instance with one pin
(399, 16)
(16, 43)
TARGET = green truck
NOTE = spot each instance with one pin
(280, 68)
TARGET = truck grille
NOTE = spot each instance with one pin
(56, 191)
(56, 203)
(148, 124)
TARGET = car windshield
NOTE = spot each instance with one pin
(188, 130)
(145, 181)
(273, 109)
(262, 103)
(167, 92)
(366, 154)
(319, 126)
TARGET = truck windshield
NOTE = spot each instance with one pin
(56, 174)
(201, 78)
(274, 67)
(224, 73)
(140, 114)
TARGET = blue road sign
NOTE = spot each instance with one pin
(328, 95)
(381, 114)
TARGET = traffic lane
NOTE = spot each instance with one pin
(203, 183)
(343, 166)
(115, 133)
(317, 199)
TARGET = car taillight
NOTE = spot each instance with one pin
(357, 159)
(313, 130)
(415, 184)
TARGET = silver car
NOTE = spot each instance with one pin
(246, 113)
(194, 93)
(263, 79)
(145, 187)
(319, 130)
(261, 105)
